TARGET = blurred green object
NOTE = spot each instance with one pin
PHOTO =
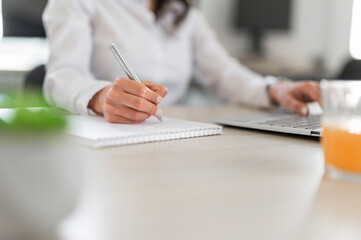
(2, 124)
(30, 114)
(4, 101)
(23, 99)
(35, 121)
(43, 120)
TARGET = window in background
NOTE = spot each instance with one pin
(355, 42)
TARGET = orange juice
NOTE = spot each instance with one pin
(342, 149)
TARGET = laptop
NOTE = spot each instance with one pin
(278, 121)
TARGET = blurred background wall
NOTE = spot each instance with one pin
(320, 30)
(22, 18)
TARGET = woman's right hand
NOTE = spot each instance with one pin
(127, 101)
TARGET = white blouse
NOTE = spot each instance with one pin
(81, 64)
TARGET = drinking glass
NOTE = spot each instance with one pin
(341, 123)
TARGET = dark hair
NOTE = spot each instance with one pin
(177, 10)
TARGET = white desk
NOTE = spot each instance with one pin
(241, 185)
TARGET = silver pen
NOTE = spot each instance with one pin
(126, 67)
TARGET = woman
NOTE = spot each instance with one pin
(165, 41)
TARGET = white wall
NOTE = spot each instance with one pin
(337, 42)
(1, 21)
(320, 28)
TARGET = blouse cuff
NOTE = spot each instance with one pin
(269, 82)
(89, 93)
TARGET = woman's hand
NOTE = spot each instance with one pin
(127, 101)
(295, 95)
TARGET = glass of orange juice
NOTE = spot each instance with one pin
(341, 123)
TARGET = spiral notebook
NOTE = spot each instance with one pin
(98, 133)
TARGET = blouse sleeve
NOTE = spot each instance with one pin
(215, 68)
(69, 83)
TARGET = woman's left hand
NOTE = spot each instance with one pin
(295, 95)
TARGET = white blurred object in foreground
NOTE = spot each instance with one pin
(39, 183)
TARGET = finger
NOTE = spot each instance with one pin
(311, 92)
(309, 96)
(161, 90)
(126, 112)
(142, 105)
(137, 89)
(113, 118)
(296, 105)
(317, 85)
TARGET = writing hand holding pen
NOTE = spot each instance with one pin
(127, 101)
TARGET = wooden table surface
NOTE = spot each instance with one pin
(241, 185)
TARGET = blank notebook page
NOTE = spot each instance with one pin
(95, 131)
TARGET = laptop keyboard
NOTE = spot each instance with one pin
(310, 122)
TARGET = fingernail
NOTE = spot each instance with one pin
(158, 113)
(159, 99)
(304, 111)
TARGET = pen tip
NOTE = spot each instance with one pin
(160, 119)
